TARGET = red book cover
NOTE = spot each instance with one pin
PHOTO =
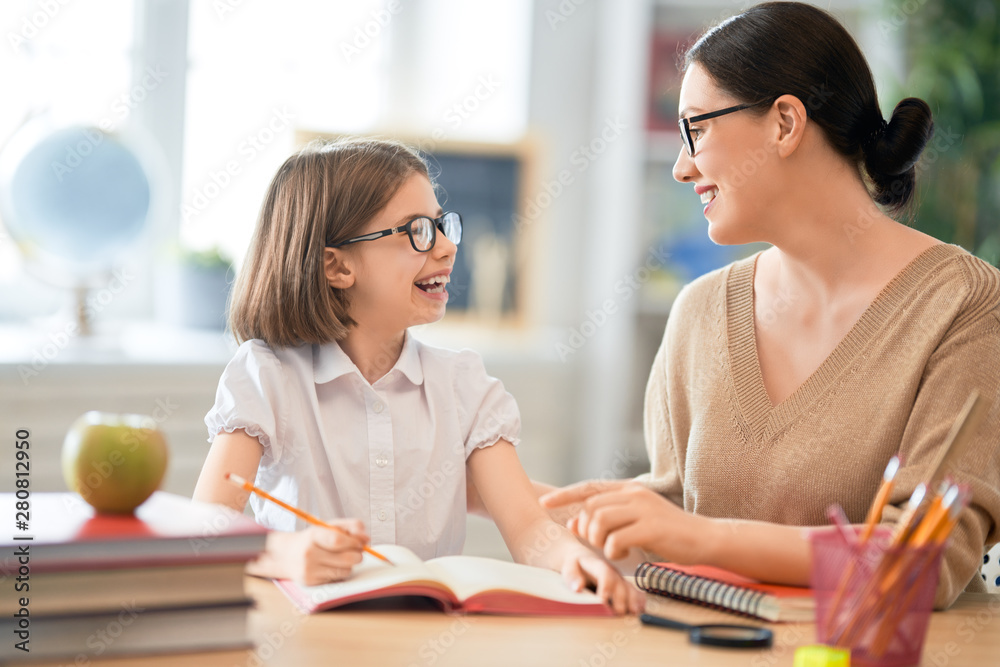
(67, 534)
(727, 577)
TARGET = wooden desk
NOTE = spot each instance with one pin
(967, 634)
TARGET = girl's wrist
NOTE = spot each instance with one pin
(548, 545)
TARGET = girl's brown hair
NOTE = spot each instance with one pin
(326, 193)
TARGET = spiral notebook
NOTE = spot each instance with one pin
(721, 589)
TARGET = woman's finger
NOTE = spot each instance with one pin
(620, 541)
(575, 493)
(621, 496)
(606, 520)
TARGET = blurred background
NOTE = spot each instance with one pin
(551, 123)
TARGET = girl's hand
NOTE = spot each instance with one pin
(635, 516)
(313, 556)
(584, 566)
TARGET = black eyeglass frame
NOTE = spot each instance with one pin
(684, 124)
(436, 224)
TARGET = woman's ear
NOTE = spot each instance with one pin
(338, 268)
(791, 123)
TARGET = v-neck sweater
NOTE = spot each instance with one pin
(894, 384)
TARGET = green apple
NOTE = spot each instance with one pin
(114, 461)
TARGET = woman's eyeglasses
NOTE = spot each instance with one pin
(685, 123)
(422, 232)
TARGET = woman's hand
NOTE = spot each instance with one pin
(583, 567)
(635, 516)
(568, 500)
(312, 556)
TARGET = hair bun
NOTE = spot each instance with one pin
(898, 148)
(892, 154)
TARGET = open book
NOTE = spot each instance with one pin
(467, 584)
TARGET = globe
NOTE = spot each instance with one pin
(72, 199)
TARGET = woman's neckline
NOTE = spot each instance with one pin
(765, 418)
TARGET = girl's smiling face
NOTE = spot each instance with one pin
(732, 167)
(392, 287)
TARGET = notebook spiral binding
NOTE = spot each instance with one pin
(701, 590)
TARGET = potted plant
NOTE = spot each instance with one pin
(194, 289)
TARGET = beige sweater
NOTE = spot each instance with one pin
(895, 383)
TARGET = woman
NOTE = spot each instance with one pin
(786, 381)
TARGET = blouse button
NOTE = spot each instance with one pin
(378, 407)
(381, 515)
(381, 460)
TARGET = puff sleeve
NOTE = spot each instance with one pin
(249, 397)
(486, 411)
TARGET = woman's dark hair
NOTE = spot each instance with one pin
(779, 48)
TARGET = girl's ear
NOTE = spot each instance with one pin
(791, 123)
(338, 268)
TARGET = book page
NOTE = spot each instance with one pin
(372, 574)
(470, 575)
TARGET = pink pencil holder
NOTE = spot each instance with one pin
(872, 599)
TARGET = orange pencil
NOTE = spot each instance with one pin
(939, 528)
(874, 514)
(247, 486)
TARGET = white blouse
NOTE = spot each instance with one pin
(390, 453)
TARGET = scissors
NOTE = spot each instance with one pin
(719, 634)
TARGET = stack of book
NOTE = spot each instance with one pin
(85, 585)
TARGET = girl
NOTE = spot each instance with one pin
(786, 381)
(332, 406)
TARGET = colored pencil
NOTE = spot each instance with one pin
(247, 486)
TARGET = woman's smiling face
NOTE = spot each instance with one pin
(733, 159)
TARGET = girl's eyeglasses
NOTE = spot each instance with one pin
(685, 123)
(422, 232)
